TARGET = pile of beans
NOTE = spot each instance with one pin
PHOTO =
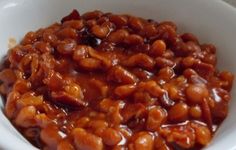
(101, 81)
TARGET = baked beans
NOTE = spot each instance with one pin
(103, 81)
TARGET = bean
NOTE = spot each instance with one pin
(143, 97)
(67, 33)
(80, 52)
(82, 122)
(119, 147)
(54, 80)
(166, 74)
(112, 108)
(149, 30)
(195, 112)
(109, 25)
(120, 75)
(43, 47)
(111, 137)
(135, 23)
(97, 124)
(66, 47)
(49, 36)
(101, 86)
(188, 73)
(204, 69)
(189, 37)
(168, 54)
(203, 134)
(118, 20)
(140, 60)
(86, 141)
(156, 117)
(30, 101)
(29, 48)
(75, 90)
(92, 15)
(100, 31)
(158, 48)
(166, 32)
(90, 64)
(192, 47)
(42, 120)
(118, 36)
(106, 103)
(163, 62)
(10, 107)
(50, 136)
(133, 111)
(142, 74)
(210, 59)
(90, 23)
(75, 24)
(182, 135)
(8, 76)
(29, 38)
(151, 87)
(173, 92)
(228, 77)
(65, 144)
(22, 86)
(26, 117)
(169, 23)
(115, 117)
(106, 62)
(196, 93)
(142, 141)
(208, 48)
(178, 112)
(188, 61)
(102, 20)
(124, 90)
(133, 40)
(159, 143)
(15, 55)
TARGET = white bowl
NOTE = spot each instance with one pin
(212, 21)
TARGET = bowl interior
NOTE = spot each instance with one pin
(212, 21)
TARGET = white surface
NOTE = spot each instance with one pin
(211, 21)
